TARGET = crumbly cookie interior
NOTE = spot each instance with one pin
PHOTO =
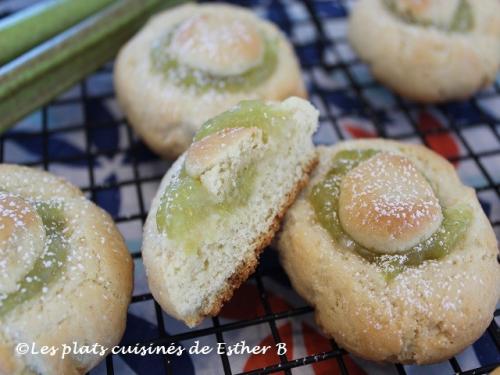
(218, 207)
(187, 206)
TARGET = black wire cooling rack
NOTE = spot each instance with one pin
(313, 27)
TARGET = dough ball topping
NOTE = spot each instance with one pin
(387, 205)
(218, 44)
(22, 238)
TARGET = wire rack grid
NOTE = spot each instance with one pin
(83, 131)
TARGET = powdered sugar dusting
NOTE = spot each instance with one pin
(388, 199)
(218, 43)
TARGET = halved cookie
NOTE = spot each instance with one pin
(221, 203)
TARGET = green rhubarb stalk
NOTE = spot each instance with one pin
(27, 28)
(39, 75)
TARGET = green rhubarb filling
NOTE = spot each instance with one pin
(186, 204)
(324, 198)
(188, 77)
(247, 114)
(48, 268)
(462, 19)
